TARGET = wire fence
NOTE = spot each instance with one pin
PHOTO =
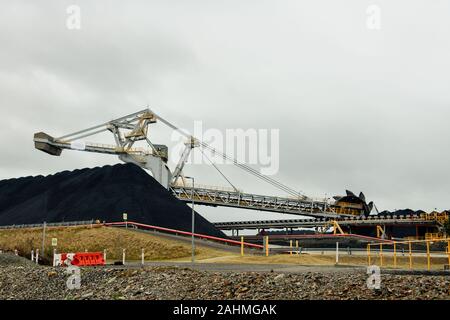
(53, 224)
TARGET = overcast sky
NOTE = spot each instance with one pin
(357, 108)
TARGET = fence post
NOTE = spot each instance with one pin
(37, 256)
(142, 256)
(395, 255)
(337, 252)
(43, 237)
(448, 252)
(123, 256)
(16, 252)
(267, 246)
(410, 255)
(104, 255)
(54, 257)
(242, 246)
(381, 254)
(290, 247)
(296, 246)
(428, 256)
(368, 254)
(32, 255)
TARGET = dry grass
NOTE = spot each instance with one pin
(157, 248)
(419, 262)
(98, 238)
(303, 259)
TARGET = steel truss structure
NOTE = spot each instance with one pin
(409, 220)
(250, 201)
(129, 129)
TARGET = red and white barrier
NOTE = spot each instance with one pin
(78, 259)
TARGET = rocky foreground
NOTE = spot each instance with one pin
(19, 279)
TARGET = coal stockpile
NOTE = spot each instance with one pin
(401, 212)
(103, 193)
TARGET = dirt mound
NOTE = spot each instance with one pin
(103, 193)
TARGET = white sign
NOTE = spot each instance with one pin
(125, 216)
(54, 242)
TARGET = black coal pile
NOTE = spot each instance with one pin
(401, 212)
(103, 193)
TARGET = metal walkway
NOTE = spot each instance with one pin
(412, 220)
(225, 198)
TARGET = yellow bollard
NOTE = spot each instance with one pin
(395, 255)
(448, 252)
(296, 246)
(381, 254)
(368, 253)
(242, 246)
(410, 255)
(290, 246)
(267, 246)
(428, 256)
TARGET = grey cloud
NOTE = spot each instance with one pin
(356, 109)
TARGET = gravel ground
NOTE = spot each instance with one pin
(19, 279)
